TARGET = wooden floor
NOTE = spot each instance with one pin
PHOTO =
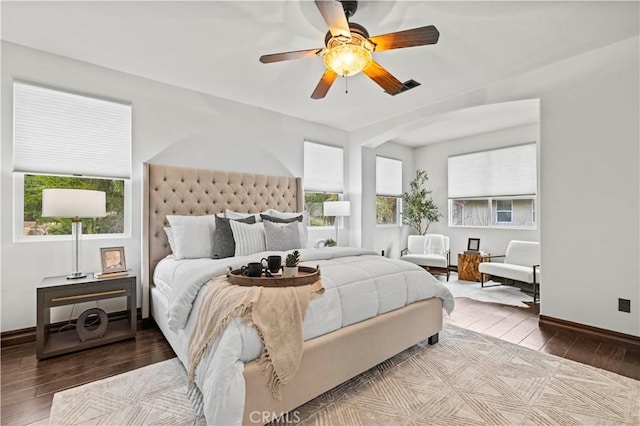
(28, 386)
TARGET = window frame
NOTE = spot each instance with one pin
(477, 176)
(391, 193)
(498, 211)
(320, 227)
(19, 174)
(398, 221)
(494, 224)
(18, 214)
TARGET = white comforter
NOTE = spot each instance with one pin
(359, 284)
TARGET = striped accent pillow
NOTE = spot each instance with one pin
(249, 238)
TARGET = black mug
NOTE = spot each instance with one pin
(274, 263)
(253, 269)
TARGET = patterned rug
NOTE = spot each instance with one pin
(465, 379)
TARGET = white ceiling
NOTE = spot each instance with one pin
(214, 46)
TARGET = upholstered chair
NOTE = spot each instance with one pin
(429, 251)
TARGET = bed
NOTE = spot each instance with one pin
(329, 358)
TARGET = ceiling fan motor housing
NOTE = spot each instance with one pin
(354, 28)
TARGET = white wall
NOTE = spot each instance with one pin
(170, 126)
(589, 180)
(433, 159)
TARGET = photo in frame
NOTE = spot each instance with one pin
(473, 244)
(113, 259)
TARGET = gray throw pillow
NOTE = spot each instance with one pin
(282, 236)
(279, 219)
(223, 243)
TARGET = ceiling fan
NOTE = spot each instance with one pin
(348, 48)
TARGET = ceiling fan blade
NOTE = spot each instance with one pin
(407, 38)
(383, 78)
(333, 14)
(285, 56)
(324, 84)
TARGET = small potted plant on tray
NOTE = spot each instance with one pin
(291, 264)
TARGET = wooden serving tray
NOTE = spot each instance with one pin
(306, 276)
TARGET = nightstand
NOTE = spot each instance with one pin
(59, 291)
(468, 265)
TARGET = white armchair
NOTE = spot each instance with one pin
(429, 251)
(521, 263)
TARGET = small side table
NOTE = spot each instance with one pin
(468, 265)
(58, 291)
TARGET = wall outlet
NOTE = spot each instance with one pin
(624, 305)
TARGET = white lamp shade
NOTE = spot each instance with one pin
(337, 208)
(73, 203)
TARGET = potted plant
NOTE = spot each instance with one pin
(291, 265)
(330, 242)
(418, 208)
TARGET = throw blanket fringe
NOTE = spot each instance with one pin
(276, 313)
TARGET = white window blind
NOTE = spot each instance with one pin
(63, 133)
(496, 173)
(388, 177)
(323, 168)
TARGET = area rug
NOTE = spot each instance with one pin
(465, 379)
(504, 294)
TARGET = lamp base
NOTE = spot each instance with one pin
(76, 275)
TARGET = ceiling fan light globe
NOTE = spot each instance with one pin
(347, 59)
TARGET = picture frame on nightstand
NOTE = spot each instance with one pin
(113, 260)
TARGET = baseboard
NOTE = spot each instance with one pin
(28, 335)
(545, 321)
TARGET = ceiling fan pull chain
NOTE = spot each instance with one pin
(346, 85)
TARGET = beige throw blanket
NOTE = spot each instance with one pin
(277, 313)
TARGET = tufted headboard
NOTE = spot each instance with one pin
(186, 191)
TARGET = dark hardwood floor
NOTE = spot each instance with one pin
(520, 326)
(28, 385)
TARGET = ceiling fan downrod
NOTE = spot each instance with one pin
(350, 7)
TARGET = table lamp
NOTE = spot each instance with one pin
(337, 209)
(75, 204)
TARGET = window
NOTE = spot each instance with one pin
(35, 224)
(494, 188)
(314, 205)
(388, 190)
(65, 140)
(323, 180)
(492, 212)
(504, 210)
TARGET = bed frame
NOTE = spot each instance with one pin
(327, 360)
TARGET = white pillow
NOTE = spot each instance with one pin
(172, 242)
(304, 235)
(230, 214)
(282, 236)
(249, 238)
(304, 231)
(192, 235)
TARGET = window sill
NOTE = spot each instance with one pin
(67, 238)
(511, 228)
